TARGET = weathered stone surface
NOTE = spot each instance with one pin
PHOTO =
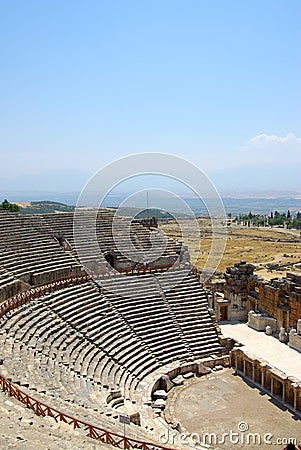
(178, 381)
(261, 322)
(188, 375)
(278, 298)
(160, 403)
(30, 432)
(160, 394)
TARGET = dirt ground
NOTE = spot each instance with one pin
(235, 414)
(259, 246)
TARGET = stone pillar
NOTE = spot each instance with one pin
(235, 358)
(295, 399)
(299, 326)
(244, 366)
(296, 394)
(218, 312)
(272, 386)
(279, 319)
(253, 371)
(232, 358)
(262, 375)
(298, 398)
(283, 391)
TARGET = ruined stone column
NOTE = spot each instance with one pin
(287, 321)
(236, 361)
(295, 387)
(299, 326)
(272, 385)
(218, 313)
(262, 366)
(256, 305)
(298, 392)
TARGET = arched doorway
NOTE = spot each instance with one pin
(110, 259)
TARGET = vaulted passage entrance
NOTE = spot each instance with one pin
(110, 259)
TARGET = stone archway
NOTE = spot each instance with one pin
(109, 257)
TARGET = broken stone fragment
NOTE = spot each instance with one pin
(160, 394)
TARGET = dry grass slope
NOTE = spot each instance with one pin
(259, 246)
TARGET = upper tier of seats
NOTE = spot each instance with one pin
(115, 244)
(32, 247)
(30, 253)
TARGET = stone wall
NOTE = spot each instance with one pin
(11, 289)
(276, 383)
(281, 299)
(243, 291)
(259, 321)
(240, 280)
(56, 274)
(239, 292)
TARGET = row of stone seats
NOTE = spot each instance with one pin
(26, 249)
(86, 311)
(141, 304)
(50, 341)
(89, 250)
(9, 285)
(89, 312)
(50, 381)
(133, 306)
(48, 357)
(144, 236)
(29, 363)
(188, 301)
(62, 224)
(184, 319)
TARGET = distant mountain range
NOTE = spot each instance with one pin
(70, 198)
(232, 205)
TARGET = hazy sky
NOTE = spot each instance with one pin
(86, 82)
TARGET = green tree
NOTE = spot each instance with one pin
(7, 206)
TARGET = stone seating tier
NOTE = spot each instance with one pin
(29, 252)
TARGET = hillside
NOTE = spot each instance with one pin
(44, 207)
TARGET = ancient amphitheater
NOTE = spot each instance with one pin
(103, 353)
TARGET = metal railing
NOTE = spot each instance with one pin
(105, 436)
(37, 291)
